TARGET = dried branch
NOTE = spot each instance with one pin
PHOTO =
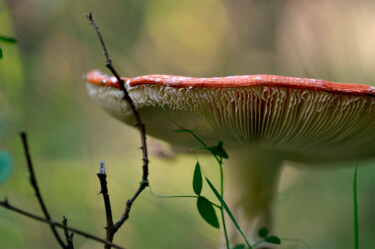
(68, 237)
(34, 184)
(53, 223)
(144, 183)
(107, 204)
(111, 228)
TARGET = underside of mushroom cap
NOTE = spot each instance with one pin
(292, 116)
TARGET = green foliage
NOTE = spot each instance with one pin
(241, 246)
(273, 240)
(207, 211)
(263, 232)
(216, 150)
(8, 40)
(205, 207)
(6, 165)
(224, 205)
(197, 180)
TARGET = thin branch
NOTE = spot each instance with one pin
(144, 183)
(34, 184)
(68, 237)
(53, 223)
(107, 204)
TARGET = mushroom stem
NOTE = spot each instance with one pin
(251, 189)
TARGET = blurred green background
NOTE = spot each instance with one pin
(42, 91)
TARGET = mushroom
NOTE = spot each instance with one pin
(263, 120)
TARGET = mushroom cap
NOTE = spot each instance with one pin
(301, 119)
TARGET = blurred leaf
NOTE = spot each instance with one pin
(197, 180)
(263, 232)
(207, 211)
(273, 240)
(241, 246)
(6, 165)
(228, 211)
(217, 150)
(8, 39)
(1, 52)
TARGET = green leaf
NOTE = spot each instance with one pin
(241, 246)
(273, 240)
(6, 165)
(263, 232)
(221, 150)
(8, 39)
(1, 52)
(197, 180)
(218, 150)
(228, 211)
(207, 211)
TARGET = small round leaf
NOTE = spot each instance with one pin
(263, 232)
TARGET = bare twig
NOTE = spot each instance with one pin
(34, 184)
(107, 204)
(68, 237)
(144, 183)
(53, 223)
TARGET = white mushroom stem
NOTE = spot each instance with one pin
(252, 180)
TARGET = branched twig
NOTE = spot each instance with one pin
(111, 228)
(68, 237)
(34, 184)
(107, 204)
(53, 223)
(144, 183)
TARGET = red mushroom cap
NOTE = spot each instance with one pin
(303, 119)
(95, 77)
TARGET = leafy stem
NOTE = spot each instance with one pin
(218, 153)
